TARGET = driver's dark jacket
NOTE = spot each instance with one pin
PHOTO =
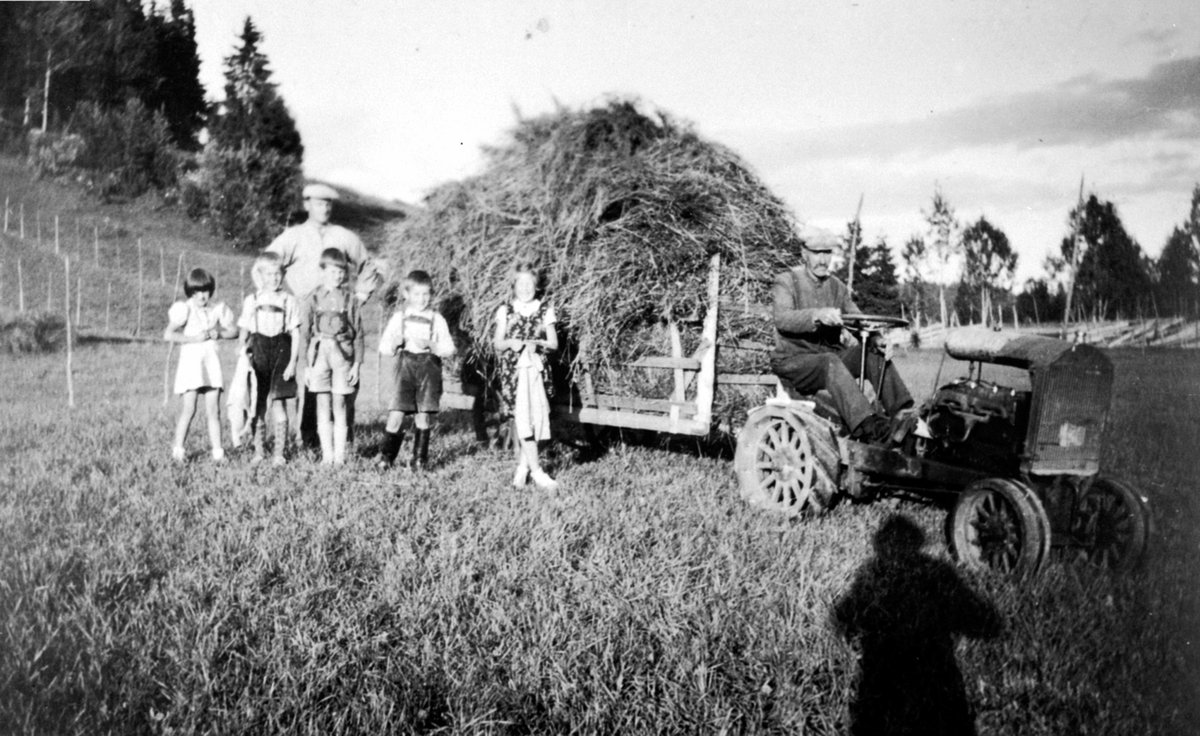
(796, 296)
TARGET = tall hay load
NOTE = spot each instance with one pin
(623, 212)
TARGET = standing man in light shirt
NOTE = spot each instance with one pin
(300, 247)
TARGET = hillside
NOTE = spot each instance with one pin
(103, 242)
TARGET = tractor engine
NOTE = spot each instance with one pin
(977, 424)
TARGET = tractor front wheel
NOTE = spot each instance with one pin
(999, 524)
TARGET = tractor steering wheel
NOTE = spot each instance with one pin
(872, 322)
(863, 325)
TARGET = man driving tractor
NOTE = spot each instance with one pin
(811, 350)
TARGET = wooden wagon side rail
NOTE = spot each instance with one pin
(676, 415)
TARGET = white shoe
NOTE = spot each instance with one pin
(543, 481)
(218, 455)
(178, 455)
(521, 477)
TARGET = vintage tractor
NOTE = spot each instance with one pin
(1018, 466)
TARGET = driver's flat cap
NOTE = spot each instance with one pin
(819, 239)
(320, 191)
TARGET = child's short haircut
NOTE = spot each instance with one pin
(334, 257)
(268, 258)
(199, 280)
(418, 278)
(528, 267)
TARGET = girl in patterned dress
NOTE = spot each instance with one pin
(196, 324)
(524, 333)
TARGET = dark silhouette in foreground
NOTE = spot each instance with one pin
(905, 609)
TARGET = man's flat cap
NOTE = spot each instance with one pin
(320, 191)
(819, 239)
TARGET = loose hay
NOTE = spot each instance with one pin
(623, 211)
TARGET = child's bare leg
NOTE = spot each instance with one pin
(539, 476)
(186, 412)
(212, 411)
(339, 428)
(325, 426)
(279, 409)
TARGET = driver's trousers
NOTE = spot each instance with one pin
(837, 373)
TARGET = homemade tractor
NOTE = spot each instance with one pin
(1020, 467)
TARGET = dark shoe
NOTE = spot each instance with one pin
(874, 430)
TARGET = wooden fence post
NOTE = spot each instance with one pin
(70, 376)
(171, 345)
(137, 330)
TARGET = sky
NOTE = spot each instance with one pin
(1002, 105)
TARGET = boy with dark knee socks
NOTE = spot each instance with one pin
(420, 338)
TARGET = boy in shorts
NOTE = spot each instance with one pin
(270, 337)
(420, 337)
(333, 329)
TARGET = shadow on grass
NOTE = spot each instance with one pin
(905, 609)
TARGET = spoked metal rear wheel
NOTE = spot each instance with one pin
(787, 461)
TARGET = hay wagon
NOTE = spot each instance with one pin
(1020, 467)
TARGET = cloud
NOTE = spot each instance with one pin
(1085, 110)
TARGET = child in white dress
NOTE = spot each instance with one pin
(524, 331)
(196, 324)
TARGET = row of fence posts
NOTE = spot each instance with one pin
(72, 325)
(22, 300)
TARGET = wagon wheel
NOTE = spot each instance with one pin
(1000, 525)
(786, 461)
(1112, 524)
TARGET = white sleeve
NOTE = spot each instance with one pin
(225, 316)
(291, 313)
(392, 334)
(246, 322)
(550, 317)
(443, 340)
(177, 315)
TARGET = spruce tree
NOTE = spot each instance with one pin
(253, 113)
(250, 172)
(177, 91)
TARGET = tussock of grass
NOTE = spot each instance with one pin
(31, 332)
(623, 210)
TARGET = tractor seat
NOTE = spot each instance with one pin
(823, 399)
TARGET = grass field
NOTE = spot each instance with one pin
(139, 596)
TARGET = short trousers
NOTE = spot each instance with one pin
(269, 358)
(330, 372)
(418, 381)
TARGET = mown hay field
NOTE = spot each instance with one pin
(137, 596)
